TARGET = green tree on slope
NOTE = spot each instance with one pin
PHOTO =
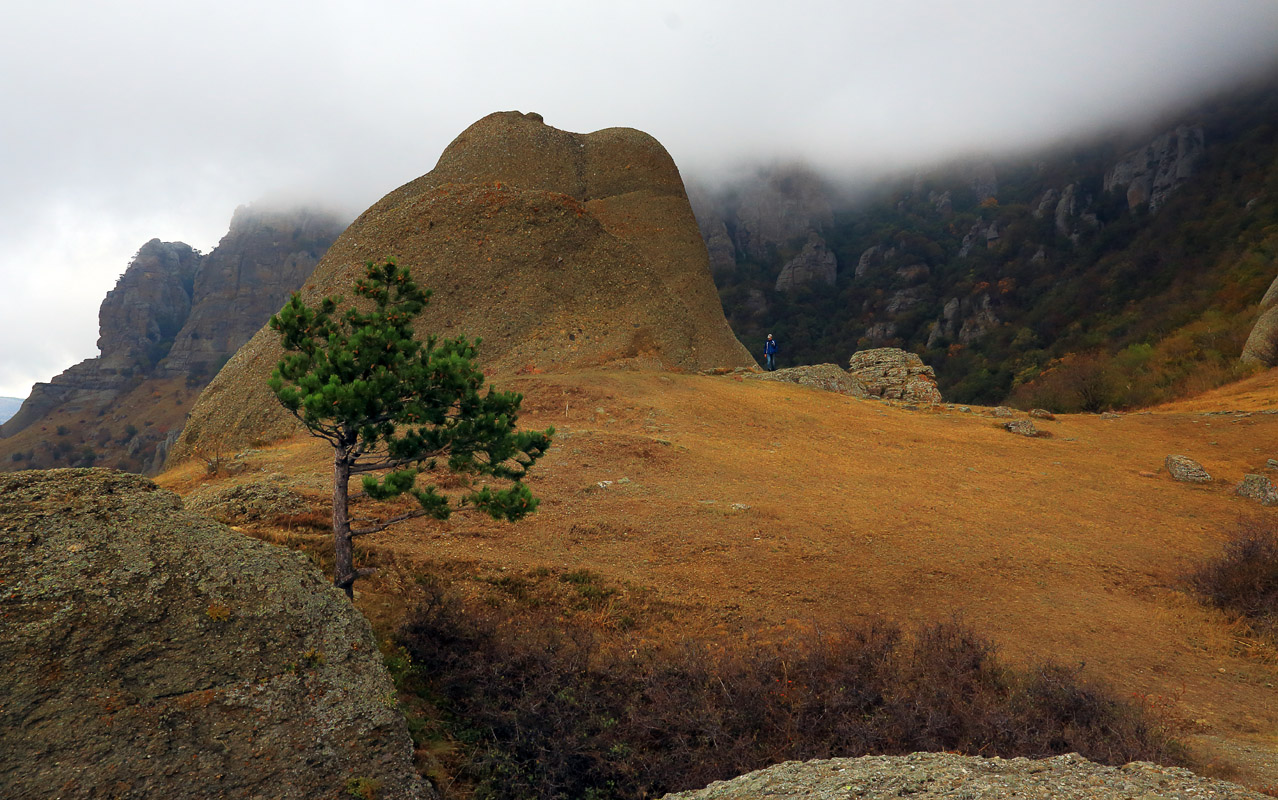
(395, 408)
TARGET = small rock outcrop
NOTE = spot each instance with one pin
(1258, 488)
(895, 374)
(933, 776)
(1186, 470)
(830, 377)
(151, 652)
(1261, 348)
(815, 264)
(1021, 427)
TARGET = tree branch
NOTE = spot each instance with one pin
(384, 524)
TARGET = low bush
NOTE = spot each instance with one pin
(540, 707)
(1243, 577)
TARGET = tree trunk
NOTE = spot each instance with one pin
(343, 550)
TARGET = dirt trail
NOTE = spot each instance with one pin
(746, 502)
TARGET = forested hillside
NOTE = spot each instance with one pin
(1116, 273)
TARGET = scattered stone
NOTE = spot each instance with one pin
(1022, 427)
(152, 652)
(932, 776)
(1185, 469)
(1258, 487)
(828, 377)
(965, 409)
(1042, 413)
(740, 507)
(1003, 411)
(1272, 463)
(892, 373)
(1110, 415)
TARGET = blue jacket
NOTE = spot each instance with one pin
(770, 347)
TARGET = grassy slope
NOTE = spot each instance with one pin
(1069, 547)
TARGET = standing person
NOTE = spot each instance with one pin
(770, 354)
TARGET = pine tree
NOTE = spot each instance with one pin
(395, 408)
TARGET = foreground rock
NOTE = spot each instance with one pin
(931, 776)
(150, 652)
(1186, 470)
(829, 377)
(895, 374)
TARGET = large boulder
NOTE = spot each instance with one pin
(559, 249)
(895, 374)
(1261, 348)
(150, 652)
(932, 776)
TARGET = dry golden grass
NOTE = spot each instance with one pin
(742, 504)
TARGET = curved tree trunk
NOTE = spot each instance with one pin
(344, 568)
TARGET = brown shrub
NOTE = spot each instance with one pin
(1243, 578)
(541, 707)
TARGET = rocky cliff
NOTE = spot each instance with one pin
(172, 319)
(1261, 348)
(998, 271)
(150, 652)
(558, 249)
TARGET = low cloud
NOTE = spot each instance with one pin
(141, 119)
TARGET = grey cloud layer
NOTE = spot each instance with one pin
(129, 120)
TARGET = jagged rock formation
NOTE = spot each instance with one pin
(894, 374)
(932, 776)
(150, 652)
(1261, 348)
(146, 309)
(558, 249)
(828, 377)
(1154, 171)
(264, 257)
(170, 322)
(814, 264)
(964, 321)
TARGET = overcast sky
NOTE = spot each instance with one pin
(126, 120)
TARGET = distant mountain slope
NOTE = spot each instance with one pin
(1123, 272)
(8, 407)
(174, 317)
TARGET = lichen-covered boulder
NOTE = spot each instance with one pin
(895, 374)
(934, 776)
(829, 377)
(1259, 488)
(1186, 470)
(151, 652)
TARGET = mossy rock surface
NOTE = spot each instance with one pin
(152, 652)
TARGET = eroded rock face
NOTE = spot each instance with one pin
(815, 264)
(559, 249)
(171, 321)
(150, 652)
(265, 256)
(1154, 171)
(785, 204)
(932, 776)
(895, 374)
